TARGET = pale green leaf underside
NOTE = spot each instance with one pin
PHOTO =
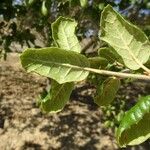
(107, 92)
(59, 94)
(58, 64)
(57, 97)
(63, 32)
(128, 40)
(135, 125)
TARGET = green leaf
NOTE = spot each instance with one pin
(98, 62)
(44, 10)
(107, 91)
(58, 64)
(59, 94)
(57, 97)
(110, 55)
(135, 125)
(29, 2)
(63, 32)
(101, 6)
(128, 40)
(84, 3)
(148, 63)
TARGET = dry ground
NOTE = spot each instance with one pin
(24, 127)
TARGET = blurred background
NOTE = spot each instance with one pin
(27, 23)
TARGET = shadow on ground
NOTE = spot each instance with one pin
(78, 127)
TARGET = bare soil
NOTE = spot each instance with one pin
(24, 127)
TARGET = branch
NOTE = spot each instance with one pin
(118, 74)
(111, 73)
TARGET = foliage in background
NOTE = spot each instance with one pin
(27, 23)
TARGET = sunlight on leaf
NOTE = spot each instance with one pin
(63, 32)
(135, 125)
(58, 64)
(128, 40)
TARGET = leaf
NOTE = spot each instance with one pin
(57, 97)
(29, 2)
(148, 63)
(107, 91)
(59, 94)
(135, 125)
(109, 54)
(98, 62)
(101, 6)
(44, 10)
(128, 40)
(58, 64)
(63, 33)
(84, 3)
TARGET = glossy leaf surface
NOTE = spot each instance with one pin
(135, 125)
(128, 40)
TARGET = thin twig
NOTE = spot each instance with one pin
(112, 73)
(118, 74)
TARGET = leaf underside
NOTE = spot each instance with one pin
(135, 125)
(128, 40)
(58, 64)
(64, 37)
(57, 97)
(63, 32)
(59, 94)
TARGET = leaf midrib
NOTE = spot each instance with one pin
(66, 38)
(56, 63)
(130, 52)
